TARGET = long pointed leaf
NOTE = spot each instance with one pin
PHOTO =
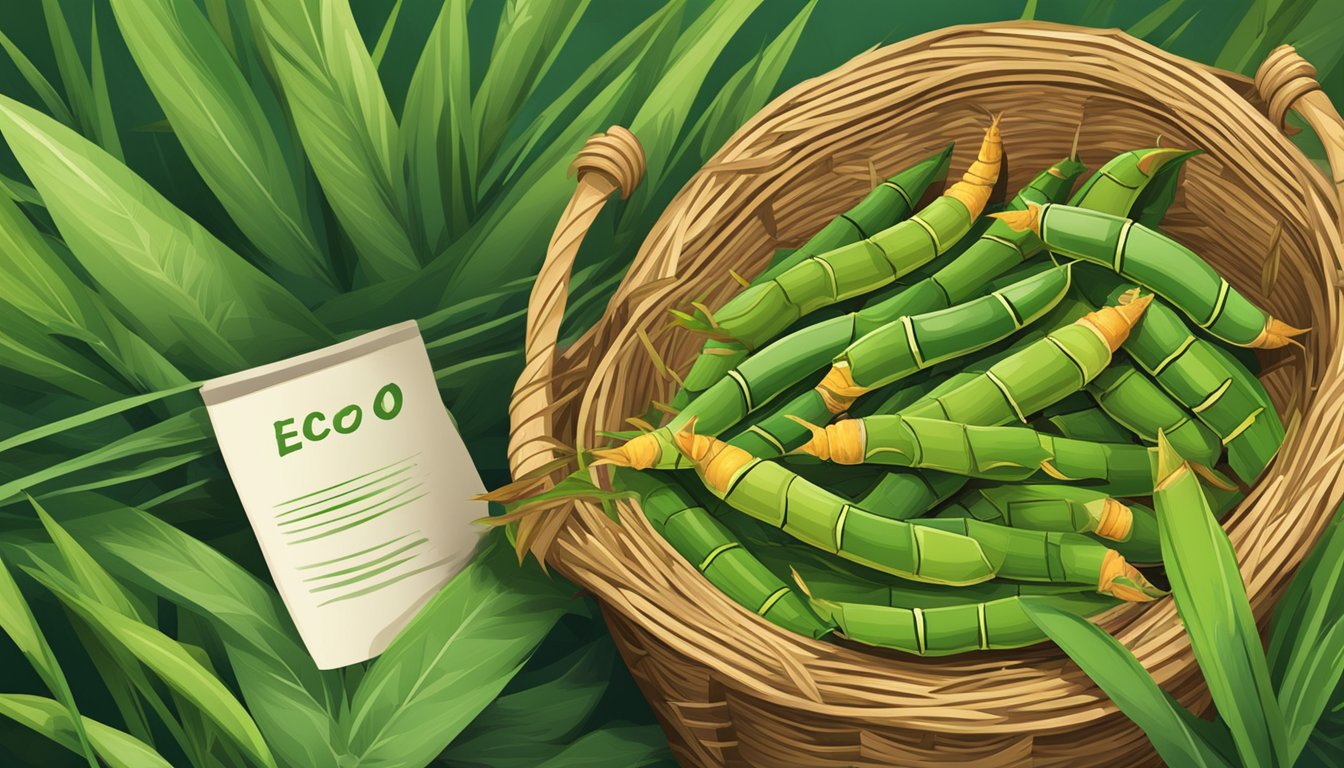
(16, 619)
(452, 660)
(285, 691)
(1306, 649)
(439, 133)
(106, 124)
(170, 279)
(45, 716)
(1179, 737)
(223, 129)
(1211, 600)
(346, 125)
(37, 81)
(172, 664)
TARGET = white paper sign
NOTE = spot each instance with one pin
(356, 483)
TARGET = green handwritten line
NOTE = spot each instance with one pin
(386, 583)
(335, 560)
(369, 564)
(347, 502)
(361, 577)
(360, 521)
(346, 482)
(360, 487)
(349, 515)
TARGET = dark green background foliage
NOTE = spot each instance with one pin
(141, 572)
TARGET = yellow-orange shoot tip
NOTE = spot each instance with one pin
(1151, 162)
(642, 452)
(1277, 334)
(1113, 323)
(1021, 221)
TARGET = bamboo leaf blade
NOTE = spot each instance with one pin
(615, 746)
(1211, 601)
(1179, 737)
(223, 130)
(17, 621)
(292, 701)
(439, 133)
(47, 717)
(452, 660)
(41, 287)
(105, 122)
(45, 91)
(169, 279)
(1306, 649)
(345, 124)
(172, 664)
(530, 35)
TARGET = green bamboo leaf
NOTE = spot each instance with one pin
(41, 287)
(27, 347)
(452, 660)
(439, 133)
(615, 746)
(1177, 735)
(78, 90)
(346, 126)
(642, 48)
(88, 417)
(530, 35)
(1306, 647)
(47, 717)
(1212, 603)
(521, 728)
(37, 81)
(108, 138)
(384, 37)
(184, 433)
(167, 659)
(90, 577)
(223, 129)
(16, 619)
(206, 308)
(659, 122)
(1155, 18)
(290, 698)
(748, 90)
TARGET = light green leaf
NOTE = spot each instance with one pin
(16, 619)
(181, 434)
(384, 37)
(78, 91)
(667, 107)
(88, 417)
(1212, 603)
(452, 660)
(41, 287)
(206, 308)
(292, 701)
(223, 129)
(37, 81)
(345, 124)
(1179, 737)
(1306, 647)
(167, 659)
(108, 138)
(530, 35)
(45, 716)
(439, 132)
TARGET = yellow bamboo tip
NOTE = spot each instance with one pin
(1113, 324)
(1276, 334)
(641, 452)
(1169, 462)
(1117, 521)
(716, 461)
(1151, 162)
(1021, 221)
(842, 442)
(838, 390)
(1123, 581)
(978, 181)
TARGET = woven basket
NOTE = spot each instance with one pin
(731, 689)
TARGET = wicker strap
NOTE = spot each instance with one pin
(608, 161)
(1287, 81)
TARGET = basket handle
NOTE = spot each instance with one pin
(1287, 81)
(608, 161)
